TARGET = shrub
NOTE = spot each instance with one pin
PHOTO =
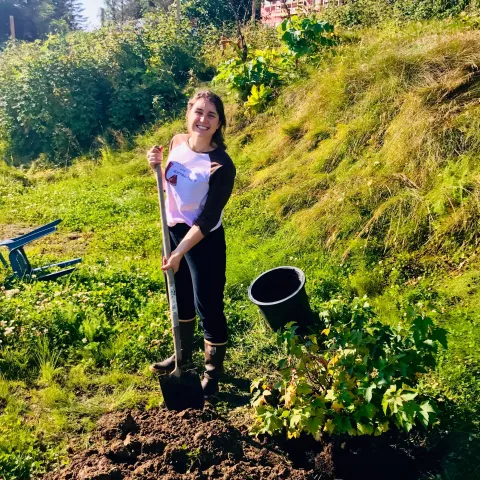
(424, 9)
(57, 96)
(255, 79)
(366, 13)
(264, 67)
(357, 377)
(306, 36)
(354, 13)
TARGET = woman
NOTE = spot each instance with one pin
(198, 180)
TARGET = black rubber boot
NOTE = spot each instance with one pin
(214, 358)
(187, 330)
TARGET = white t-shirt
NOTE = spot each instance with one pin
(198, 185)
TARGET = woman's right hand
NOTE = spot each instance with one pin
(155, 156)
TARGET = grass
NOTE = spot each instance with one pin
(365, 175)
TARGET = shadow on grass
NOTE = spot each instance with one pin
(234, 392)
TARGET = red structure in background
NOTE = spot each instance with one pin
(274, 11)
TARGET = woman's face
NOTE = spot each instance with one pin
(202, 119)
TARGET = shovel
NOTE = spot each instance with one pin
(181, 389)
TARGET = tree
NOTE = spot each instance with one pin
(217, 12)
(121, 11)
(36, 18)
(69, 11)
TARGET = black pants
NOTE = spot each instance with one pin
(200, 282)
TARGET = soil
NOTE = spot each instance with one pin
(169, 445)
(158, 444)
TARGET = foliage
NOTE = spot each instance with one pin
(306, 36)
(357, 377)
(217, 12)
(364, 13)
(121, 12)
(264, 67)
(424, 9)
(86, 321)
(22, 455)
(256, 79)
(353, 13)
(56, 97)
(36, 19)
(258, 98)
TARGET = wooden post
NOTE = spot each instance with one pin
(253, 11)
(12, 27)
(178, 11)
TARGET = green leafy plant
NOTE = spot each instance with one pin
(265, 67)
(306, 36)
(58, 96)
(424, 9)
(357, 377)
(258, 98)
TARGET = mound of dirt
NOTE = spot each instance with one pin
(169, 445)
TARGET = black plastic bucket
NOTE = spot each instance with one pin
(280, 295)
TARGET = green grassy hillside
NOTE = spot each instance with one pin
(366, 175)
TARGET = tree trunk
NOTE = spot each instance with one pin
(12, 27)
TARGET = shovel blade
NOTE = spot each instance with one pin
(182, 392)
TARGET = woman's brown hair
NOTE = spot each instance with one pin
(217, 101)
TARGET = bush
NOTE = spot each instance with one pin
(366, 13)
(306, 36)
(216, 12)
(255, 79)
(358, 13)
(56, 97)
(357, 377)
(424, 9)
(262, 68)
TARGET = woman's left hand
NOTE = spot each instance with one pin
(173, 262)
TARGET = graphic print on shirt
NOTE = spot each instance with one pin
(174, 169)
(188, 188)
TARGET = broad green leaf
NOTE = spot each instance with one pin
(304, 389)
(440, 335)
(296, 418)
(369, 392)
(313, 425)
(384, 405)
(408, 396)
(368, 410)
(329, 426)
(425, 412)
(364, 429)
(411, 313)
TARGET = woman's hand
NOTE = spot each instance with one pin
(155, 156)
(173, 262)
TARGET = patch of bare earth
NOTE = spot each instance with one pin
(169, 445)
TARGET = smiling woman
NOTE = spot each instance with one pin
(198, 180)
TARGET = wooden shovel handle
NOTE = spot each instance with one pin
(172, 294)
